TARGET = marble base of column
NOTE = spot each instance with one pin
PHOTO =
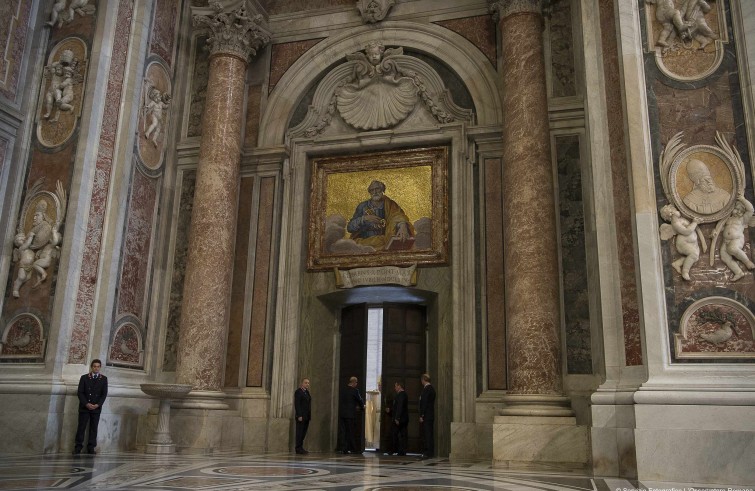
(536, 405)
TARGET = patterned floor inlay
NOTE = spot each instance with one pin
(278, 472)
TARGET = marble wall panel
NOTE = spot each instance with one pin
(283, 55)
(630, 310)
(183, 223)
(14, 27)
(53, 166)
(262, 271)
(200, 75)
(494, 284)
(573, 257)
(238, 286)
(701, 108)
(253, 101)
(698, 112)
(164, 29)
(39, 300)
(479, 30)
(563, 82)
(78, 346)
(137, 248)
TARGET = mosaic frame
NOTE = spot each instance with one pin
(377, 164)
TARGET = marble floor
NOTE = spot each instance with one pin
(135, 471)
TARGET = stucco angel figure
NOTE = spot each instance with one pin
(154, 109)
(687, 22)
(733, 230)
(63, 75)
(378, 95)
(686, 239)
(37, 247)
(61, 14)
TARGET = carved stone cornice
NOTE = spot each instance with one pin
(504, 8)
(233, 33)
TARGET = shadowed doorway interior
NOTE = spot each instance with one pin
(380, 345)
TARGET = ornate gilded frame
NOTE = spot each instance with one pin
(377, 165)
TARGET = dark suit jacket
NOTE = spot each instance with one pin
(350, 401)
(401, 408)
(92, 391)
(302, 404)
(427, 403)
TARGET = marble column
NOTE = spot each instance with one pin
(234, 38)
(530, 241)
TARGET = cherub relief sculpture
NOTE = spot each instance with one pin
(686, 23)
(374, 10)
(155, 105)
(686, 239)
(63, 75)
(37, 247)
(61, 14)
(733, 228)
(714, 197)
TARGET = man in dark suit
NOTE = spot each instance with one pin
(351, 404)
(427, 416)
(400, 415)
(92, 393)
(302, 413)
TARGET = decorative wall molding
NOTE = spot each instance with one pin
(23, 338)
(716, 327)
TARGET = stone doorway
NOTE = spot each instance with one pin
(400, 341)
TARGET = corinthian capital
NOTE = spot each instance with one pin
(234, 33)
(504, 8)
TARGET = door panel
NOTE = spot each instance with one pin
(353, 356)
(404, 328)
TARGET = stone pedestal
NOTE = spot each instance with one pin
(696, 443)
(545, 439)
(196, 431)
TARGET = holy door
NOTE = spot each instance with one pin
(404, 360)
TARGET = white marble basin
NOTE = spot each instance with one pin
(166, 391)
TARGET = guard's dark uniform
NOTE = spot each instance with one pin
(303, 410)
(93, 390)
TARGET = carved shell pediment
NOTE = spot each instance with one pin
(378, 89)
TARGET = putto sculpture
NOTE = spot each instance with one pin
(60, 13)
(705, 184)
(155, 105)
(37, 246)
(63, 75)
(685, 23)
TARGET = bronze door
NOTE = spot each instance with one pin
(404, 360)
(353, 358)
